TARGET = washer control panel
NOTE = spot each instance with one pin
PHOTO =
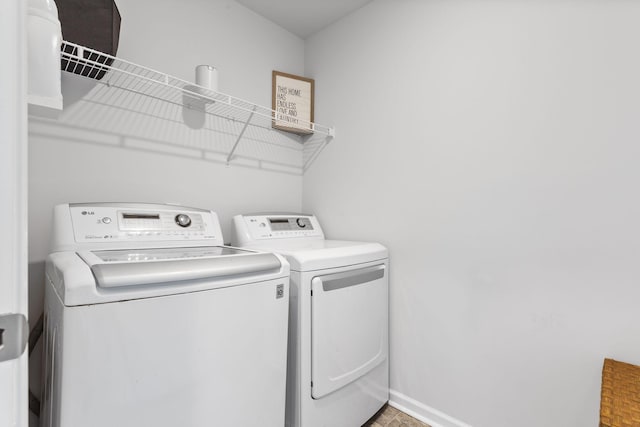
(104, 222)
(279, 226)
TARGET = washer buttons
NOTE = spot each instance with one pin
(183, 220)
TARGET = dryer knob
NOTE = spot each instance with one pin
(300, 223)
(183, 220)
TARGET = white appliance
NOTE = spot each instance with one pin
(151, 322)
(338, 365)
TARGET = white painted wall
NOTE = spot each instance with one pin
(127, 156)
(493, 146)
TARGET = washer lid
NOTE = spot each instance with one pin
(131, 267)
(165, 254)
(310, 255)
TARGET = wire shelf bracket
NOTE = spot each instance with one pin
(244, 128)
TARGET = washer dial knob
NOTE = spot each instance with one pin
(301, 223)
(183, 220)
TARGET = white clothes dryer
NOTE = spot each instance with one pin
(150, 321)
(338, 364)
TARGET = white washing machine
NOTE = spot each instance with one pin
(151, 322)
(338, 366)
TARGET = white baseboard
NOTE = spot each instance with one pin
(424, 413)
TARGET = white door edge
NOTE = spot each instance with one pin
(13, 203)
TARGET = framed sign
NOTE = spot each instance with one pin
(292, 101)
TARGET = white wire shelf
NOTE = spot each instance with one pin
(250, 121)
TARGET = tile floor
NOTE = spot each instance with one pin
(389, 416)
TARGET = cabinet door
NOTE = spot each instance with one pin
(349, 329)
(13, 216)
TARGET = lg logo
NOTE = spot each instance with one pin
(88, 213)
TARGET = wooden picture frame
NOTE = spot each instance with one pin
(292, 103)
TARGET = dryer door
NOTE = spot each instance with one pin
(349, 329)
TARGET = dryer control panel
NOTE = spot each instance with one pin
(121, 223)
(277, 226)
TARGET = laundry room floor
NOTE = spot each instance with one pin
(389, 416)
